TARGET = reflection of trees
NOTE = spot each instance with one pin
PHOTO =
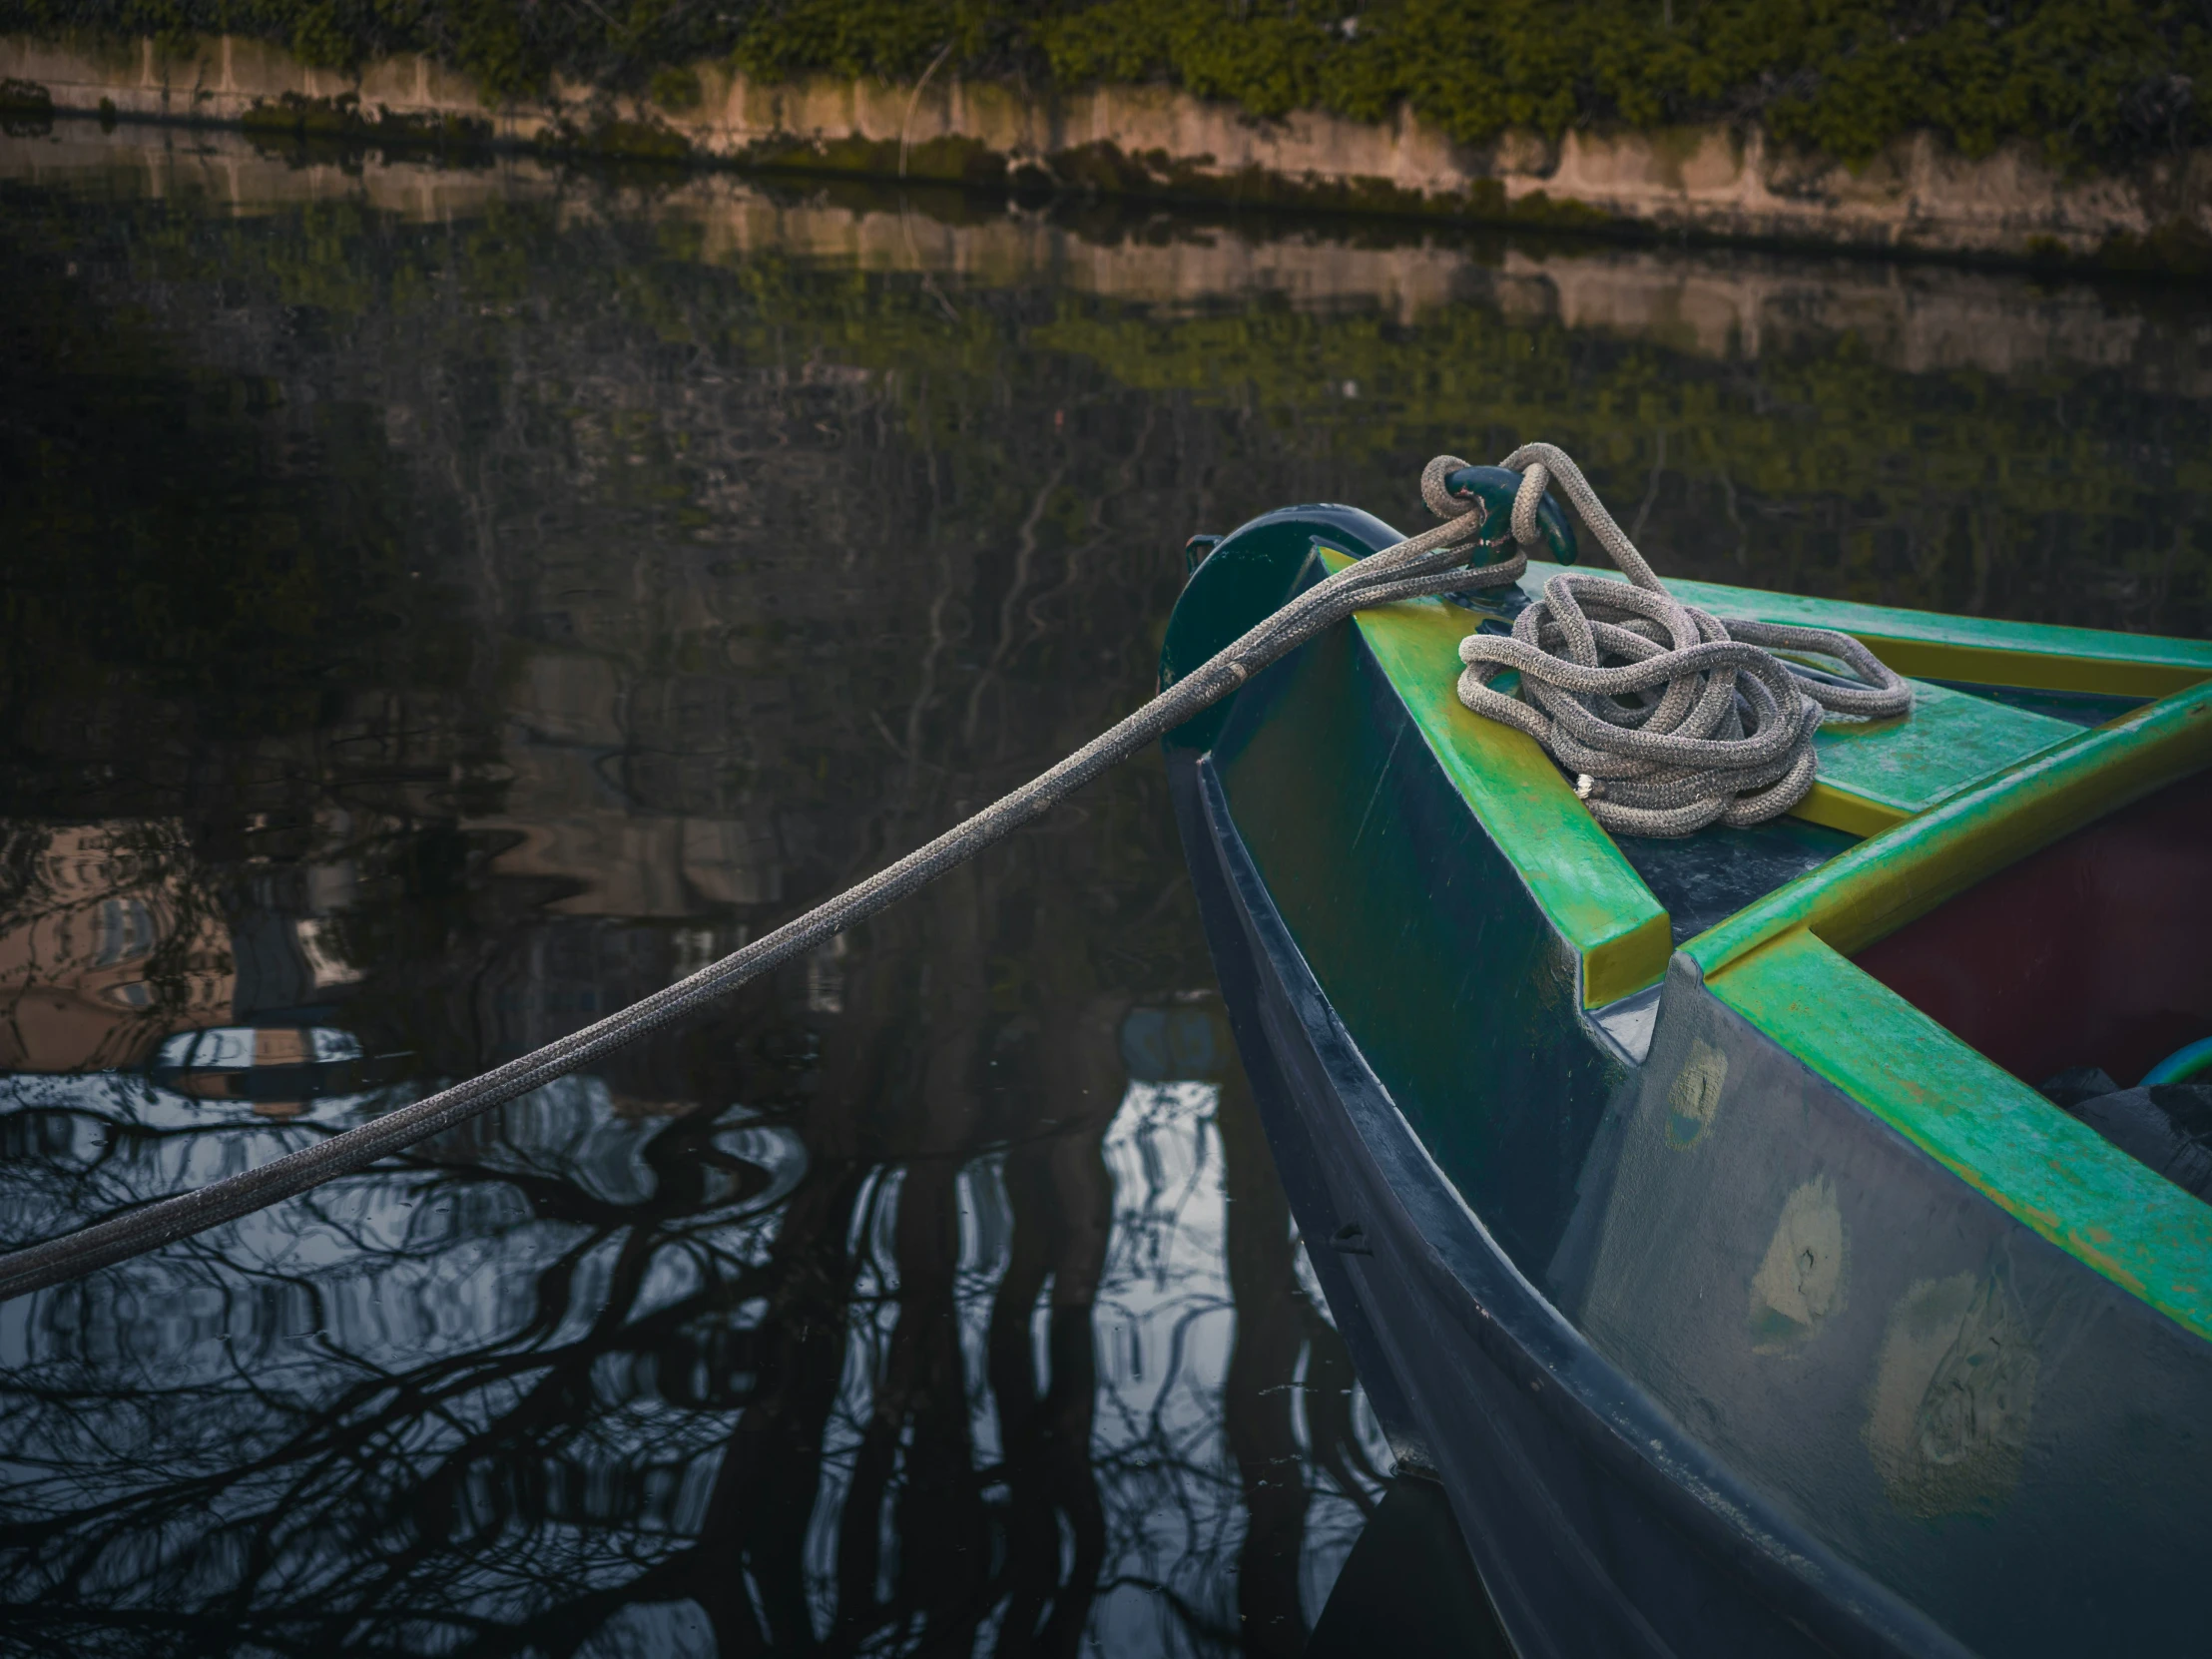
(923, 1347)
(572, 1369)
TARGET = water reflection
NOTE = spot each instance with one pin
(446, 606)
(108, 944)
(671, 1374)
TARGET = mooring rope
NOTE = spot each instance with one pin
(1433, 562)
(1730, 737)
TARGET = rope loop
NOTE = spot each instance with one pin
(1669, 718)
(1456, 531)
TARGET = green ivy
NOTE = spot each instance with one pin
(2091, 82)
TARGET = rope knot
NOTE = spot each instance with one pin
(1445, 502)
(1467, 518)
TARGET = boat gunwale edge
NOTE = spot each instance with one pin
(1784, 963)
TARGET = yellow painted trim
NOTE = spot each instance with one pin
(1841, 809)
(1928, 645)
(1983, 665)
(1883, 882)
(1626, 964)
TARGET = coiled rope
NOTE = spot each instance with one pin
(1696, 722)
(1433, 562)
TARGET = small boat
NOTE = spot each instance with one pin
(1785, 1238)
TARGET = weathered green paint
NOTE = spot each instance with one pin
(1981, 785)
(1443, 967)
(1586, 887)
(1930, 645)
(1839, 810)
(1744, 1223)
(1948, 741)
(1887, 881)
(2054, 1175)
(1592, 895)
(2075, 708)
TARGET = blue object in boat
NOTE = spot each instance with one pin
(2182, 1064)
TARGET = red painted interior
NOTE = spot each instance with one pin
(2095, 951)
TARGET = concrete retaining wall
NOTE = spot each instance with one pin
(1917, 196)
(1738, 307)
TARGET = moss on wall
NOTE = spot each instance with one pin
(2093, 83)
(344, 119)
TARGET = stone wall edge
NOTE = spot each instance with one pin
(1711, 181)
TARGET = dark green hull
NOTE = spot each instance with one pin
(1710, 1354)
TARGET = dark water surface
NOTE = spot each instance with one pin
(442, 606)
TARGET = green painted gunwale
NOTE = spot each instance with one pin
(1783, 965)
(2058, 1177)
(1590, 893)
(1874, 775)
(1930, 645)
(1999, 784)
(1883, 882)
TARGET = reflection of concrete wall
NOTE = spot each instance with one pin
(111, 945)
(1733, 306)
(570, 820)
(1744, 309)
(623, 863)
(1917, 194)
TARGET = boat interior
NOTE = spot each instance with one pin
(2092, 954)
(2014, 884)
(2095, 951)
